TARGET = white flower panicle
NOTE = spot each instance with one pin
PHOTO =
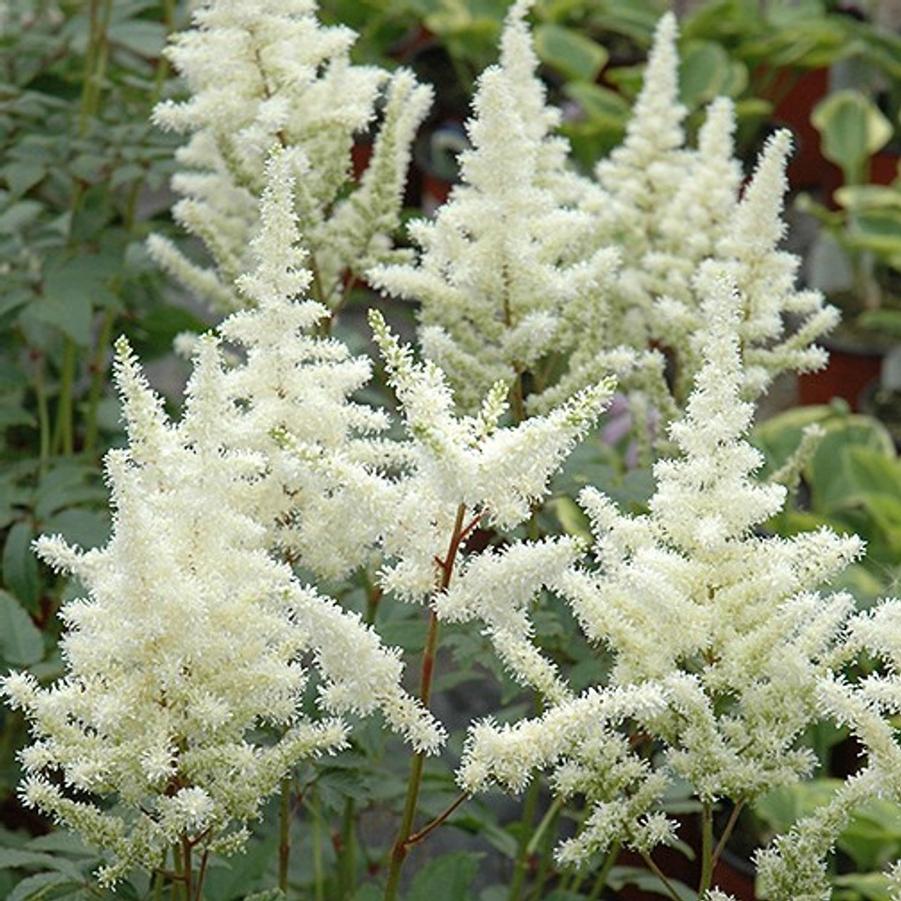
(497, 588)
(509, 252)
(669, 210)
(765, 277)
(264, 74)
(643, 174)
(779, 322)
(496, 473)
(292, 402)
(726, 628)
(186, 645)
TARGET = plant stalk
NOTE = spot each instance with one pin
(706, 849)
(284, 845)
(63, 441)
(604, 873)
(414, 783)
(40, 390)
(521, 867)
(347, 863)
(98, 374)
(318, 874)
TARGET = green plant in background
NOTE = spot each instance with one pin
(851, 482)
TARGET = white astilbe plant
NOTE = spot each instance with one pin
(668, 209)
(184, 684)
(743, 236)
(293, 387)
(723, 649)
(465, 466)
(264, 73)
(507, 262)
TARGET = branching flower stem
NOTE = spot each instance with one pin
(402, 843)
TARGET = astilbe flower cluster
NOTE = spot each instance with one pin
(670, 209)
(190, 638)
(724, 650)
(506, 262)
(267, 73)
(188, 657)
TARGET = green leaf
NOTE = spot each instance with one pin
(647, 882)
(570, 52)
(888, 322)
(86, 528)
(871, 886)
(152, 335)
(18, 216)
(598, 103)
(42, 885)
(704, 73)
(20, 176)
(20, 568)
(571, 517)
(446, 878)
(866, 198)
(20, 640)
(239, 875)
(141, 36)
(852, 129)
(782, 807)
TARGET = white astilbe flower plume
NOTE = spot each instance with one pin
(671, 210)
(725, 629)
(744, 236)
(504, 260)
(643, 174)
(293, 387)
(183, 687)
(266, 72)
(466, 462)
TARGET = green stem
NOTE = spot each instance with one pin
(284, 845)
(95, 63)
(178, 881)
(660, 875)
(159, 880)
(548, 818)
(727, 832)
(347, 863)
(706, 849)
(189, 871)
(546, 830)
(414, 783)
(62, 439)
(98, 379)
(521, 867)
(318, 875)
(40, 390)
(604, 873)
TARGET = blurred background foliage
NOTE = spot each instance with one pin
(83, 181)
